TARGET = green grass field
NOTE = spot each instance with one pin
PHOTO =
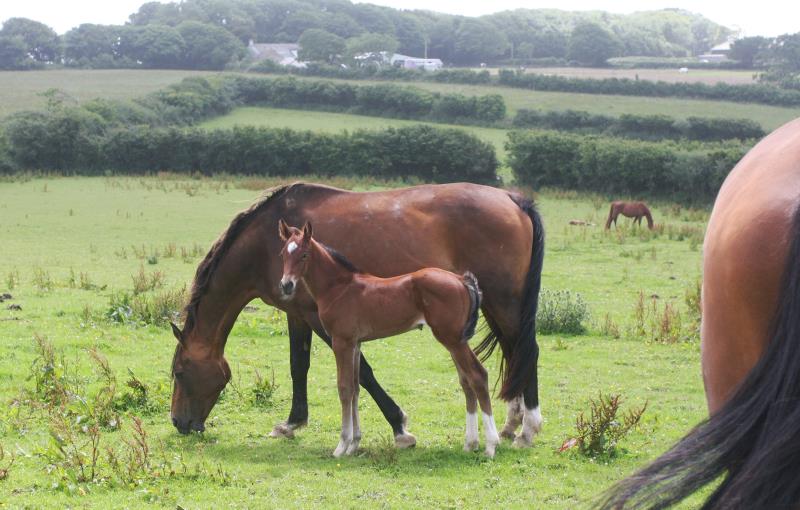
(20, 90)
(108, 228)
(711, 76)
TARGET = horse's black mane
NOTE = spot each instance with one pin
(341, 259)
(206, 269)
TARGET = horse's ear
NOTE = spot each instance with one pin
(283, 230)
(177, 332)
(307, 231)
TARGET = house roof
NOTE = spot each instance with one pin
(276, 52)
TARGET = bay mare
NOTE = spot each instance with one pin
(355, 307)
(635, 210)
(750, 347)
(495, 234)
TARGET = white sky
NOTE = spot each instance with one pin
(764, 17)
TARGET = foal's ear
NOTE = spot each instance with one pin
(307, 231)
(177, 332)
(283, 230)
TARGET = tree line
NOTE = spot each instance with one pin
(208, 34)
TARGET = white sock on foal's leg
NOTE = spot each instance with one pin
(531, 425)
(353, 447)
(471, 437)
(490, 433)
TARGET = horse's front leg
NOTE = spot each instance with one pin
(345, 352)
(299, 360)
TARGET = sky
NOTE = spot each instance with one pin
(764, 17)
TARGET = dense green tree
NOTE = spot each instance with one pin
(41, 42)
(320, 45)
(156, 46)
(478, 41)
(591, 44)
(89, 42)
(748, 49)
(13, 53)
(370, 43)
(208, 46)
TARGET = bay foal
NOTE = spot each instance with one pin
(355, 307)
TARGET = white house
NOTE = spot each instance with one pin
(718, 53)
(428, 64)
(284, 54)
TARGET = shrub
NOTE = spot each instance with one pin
(561, 312)
(601, 432)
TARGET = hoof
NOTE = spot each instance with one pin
(353, 447)
(471, 446)
(283, 429)
(522, 442)
(405, 440)
(508, 433)
(489, 452)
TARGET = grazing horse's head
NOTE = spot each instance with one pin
(295, 253)
(199, 377)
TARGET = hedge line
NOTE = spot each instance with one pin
(764, 94)
(76, 141)
(741, 93)
(383, 99)
(644, 127)
(625, 167)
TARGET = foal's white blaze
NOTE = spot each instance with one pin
(291, 247)
(490, 432)
(471, 438)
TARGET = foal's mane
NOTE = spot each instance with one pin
(209, 265)
(340, 259)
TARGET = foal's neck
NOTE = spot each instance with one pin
(324, 274)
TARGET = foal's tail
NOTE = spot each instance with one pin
(475, 296)
(753, 442)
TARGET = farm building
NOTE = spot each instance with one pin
(717, 53)
(428, 64)
(284, 54)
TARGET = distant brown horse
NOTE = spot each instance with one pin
(495, 234)
(355, 307)
(750, 347)
(635, 210)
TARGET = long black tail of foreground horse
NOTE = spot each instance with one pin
(523, 352)
(753, 442)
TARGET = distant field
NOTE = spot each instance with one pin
(20, 90)
(327, 122)
(671, 75)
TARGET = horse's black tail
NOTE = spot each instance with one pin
(649, 218)
(753, 442)
(610, 216)
(475, 297)
(521, 354)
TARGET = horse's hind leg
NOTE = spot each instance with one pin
(345, 356)
(356, 388)
(514, 411)
(478, 380)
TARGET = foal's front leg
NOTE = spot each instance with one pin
(344, 351)
(356, 389)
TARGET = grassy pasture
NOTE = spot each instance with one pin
(102, 226)
(20, 90)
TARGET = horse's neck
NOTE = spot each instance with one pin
(227, 294)
(325, 275)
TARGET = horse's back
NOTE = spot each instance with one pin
(745, 252)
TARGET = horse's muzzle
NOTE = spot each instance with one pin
(184, 427)
(287, 288)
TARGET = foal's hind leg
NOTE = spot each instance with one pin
(471, 435)
(478, 379)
